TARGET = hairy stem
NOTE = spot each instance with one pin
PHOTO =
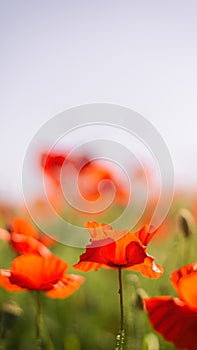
(38, 313)
(120, 338)
(121, 299)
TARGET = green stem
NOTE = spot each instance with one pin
(121, 299)
(120, 338)
(38, 313)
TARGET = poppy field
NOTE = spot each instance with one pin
(124, 289)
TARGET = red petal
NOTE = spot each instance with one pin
(101, 252)
(174, 320)
(180, 274)
(86, 266)
(68, 285)
(188, 290)
(98, 231)
(148, 268)
(37, 273)
(134, 254)
(22, 226)
(5, 282)
(28, 245)
(144, 235)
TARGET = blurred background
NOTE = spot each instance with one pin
(59, 54)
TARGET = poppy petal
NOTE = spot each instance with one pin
(34, 272)
(22, 226)
(181, 273)
(187, 290)
(174, 320)
(68, 285)
(5, 282)
(98, 231)
(148, 268)
(134, 253)
(102, 252)
(125, 249)
(28, 245)
(144, 235)
(86, 266)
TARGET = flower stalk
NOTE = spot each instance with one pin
(120, 338)
(121, 299)
(37, 321)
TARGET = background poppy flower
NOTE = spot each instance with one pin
(118, 249)
(25, 239)
(47, 274)
(53, 162)
(92, 174)
(176, 318)
(22, 226)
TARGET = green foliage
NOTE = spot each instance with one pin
(89, 319)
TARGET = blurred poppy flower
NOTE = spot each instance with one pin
(47, 274)
(73, 177)
(176, 318)
(25, 239)
(53, 162)
(118, 249)
(92, 174)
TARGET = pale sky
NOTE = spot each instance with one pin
(60, 54)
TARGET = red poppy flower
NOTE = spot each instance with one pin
(25, 239)
(47, 274)
(92, 174)
(53, 162)
(176, 318)
(118, 249)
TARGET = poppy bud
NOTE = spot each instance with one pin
(140, 294)
(134, 279)
(10, 311)
(151, 342)
(185, 222)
